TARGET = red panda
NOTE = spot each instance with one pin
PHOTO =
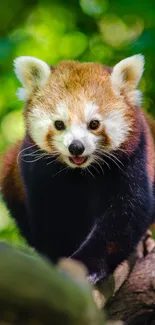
(81, 182)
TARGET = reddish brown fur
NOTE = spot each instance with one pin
(11, 183)
(48, 139)
(150, 149)
(70, 82)
(74, 84)
(112, 247)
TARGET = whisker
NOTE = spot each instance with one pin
(23, 151)
(51, 162)
(60, 171)
(112, 159)
(100, 158)
(31, 161)
(90, 172)
(104, 161)
(50, 156)
(123, 150)
(35, 157)
(95, 168)
(111, 154)
(31, 153)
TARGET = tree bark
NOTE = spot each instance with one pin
(134, 302)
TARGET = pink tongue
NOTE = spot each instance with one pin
(78, 160)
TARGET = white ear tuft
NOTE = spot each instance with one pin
(129, 71)
(126, 75)
(32, 73)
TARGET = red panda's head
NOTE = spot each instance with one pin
(77, 110)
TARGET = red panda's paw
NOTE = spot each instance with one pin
(96, 269)
(96, 277)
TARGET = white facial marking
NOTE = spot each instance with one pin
(91, 111)
(81, 133)
(116, 127)
(62, 112)
(39, 121)
(75, 132)
(68, 138)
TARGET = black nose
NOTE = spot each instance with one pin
(76, 148)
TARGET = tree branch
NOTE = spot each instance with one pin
(134, 302)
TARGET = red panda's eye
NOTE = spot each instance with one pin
(94, 125)
(59, 125)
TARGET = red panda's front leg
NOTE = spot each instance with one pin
(115, 234)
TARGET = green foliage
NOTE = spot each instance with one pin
(88, 30)
(8, 229)
(94, 8)
(32, 291)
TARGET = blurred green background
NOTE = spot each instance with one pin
(88, 30)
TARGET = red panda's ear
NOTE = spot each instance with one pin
(32, 73)
(126, 75)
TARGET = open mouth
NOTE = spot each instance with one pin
(77, 160)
